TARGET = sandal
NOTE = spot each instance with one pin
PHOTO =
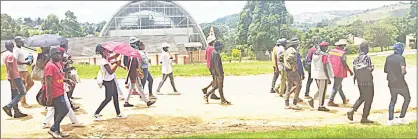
(225, 102)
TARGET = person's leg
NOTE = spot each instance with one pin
(14, 92)
(114, 92)
(362, 97)
(322, 88)
(49, 115)
(61, 111)
(368, 97)
(23, 77)
(404, 92)
(297, 86)
(171, 76)
(215, 86)
(22, 92)
(71, 114)
(144, 80)
(150, 82)
(141, 92)
(162, 82)
(118, 87)
(108, 92)
(342, 95)
(273, 82)
(335, 88)
(131, 88)
(394, 97)
(283, 82)
(308, 84)
(289, 88)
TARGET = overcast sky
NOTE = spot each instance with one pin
(202, 11)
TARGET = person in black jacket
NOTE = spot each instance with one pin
(217, 73)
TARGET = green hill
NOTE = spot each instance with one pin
(393, 10)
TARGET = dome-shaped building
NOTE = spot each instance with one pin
(163, 19)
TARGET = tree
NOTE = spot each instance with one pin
(100, 26)
(357, 28)
(244, 22)
(52, 24)
(413, 9)
(403, 27)
(71, 28)
(380, 35)
(8, 27)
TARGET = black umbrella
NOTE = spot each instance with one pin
(45, 40)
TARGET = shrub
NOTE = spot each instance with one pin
(236, 54)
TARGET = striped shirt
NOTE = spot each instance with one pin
(362, 70)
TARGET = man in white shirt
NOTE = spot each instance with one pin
(22, 63)
(166, 61)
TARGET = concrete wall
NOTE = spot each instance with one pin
(153, 32)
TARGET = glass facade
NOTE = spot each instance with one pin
(153, 18)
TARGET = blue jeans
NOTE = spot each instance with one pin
(404, 92)
(338, 87)
(15, 92)
(147, 77)
(60, 112)
(20, 91)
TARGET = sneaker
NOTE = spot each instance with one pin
(366, 121)
(295, 107)
(75, 108)
(46, 125)
(213, 96)
(77, 125)
(55, 134)
(392, 122)
(299, 100)
(122, 116)
(8, 110)
(332, 104)
(323, 109)
(402, 121)
(127, 105)
(272, 91)
(152, 97)
(98, 117)
(64, 135)
(350, 115)
(26, 105)
(175, 93)
(149, 103)
(19, 114)
(311, 103)
(159, 93)
(346, 101)
(204, 90)
(287, 107)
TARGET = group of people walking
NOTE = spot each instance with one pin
(323, 65)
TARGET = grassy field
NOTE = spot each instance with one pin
(332, 131)
(234, 68)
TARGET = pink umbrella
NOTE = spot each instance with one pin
(122, 48)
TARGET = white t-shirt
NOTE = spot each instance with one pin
(280, 50)
(20, 55)
(106, 76)
(166, 63)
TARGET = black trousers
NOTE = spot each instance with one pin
(366, 96)
(308, 84)
(111, 92)
(273, 82)
(218, 83)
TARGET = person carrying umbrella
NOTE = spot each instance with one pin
(22, 63)
(109, 79)
(134, 75)
(17, 88)
(166, 61)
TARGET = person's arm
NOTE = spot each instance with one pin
(111, 70)
(344, 60)
(16, 54)
(294, 63)
(114, 56)
(10, 72)
(325, 61)
(403, 66)
(48, 83)
(300, 67)
(275, 58)
(385, 69)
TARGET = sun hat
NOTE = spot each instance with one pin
(133, 39)
(210, 39)
(341, 42)
(323, 44)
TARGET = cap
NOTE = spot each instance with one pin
(341, 42)
(53, 50)
(281, 41)
(210, 39)
(165, 45)
(19, 38)
(323, 44)
(133, 39)
(294, 41)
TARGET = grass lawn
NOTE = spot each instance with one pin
(234, 68)
(332, 131)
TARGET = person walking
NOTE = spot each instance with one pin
(321, 71)
(395, 68)
(16, 86)
(217, 72)
(278, 66)
(54, 80)
(145, 64)
(340, 67)
(23, 62)
(71, 114)
(209, 49)
(307, 65)
(363, 68)
(293, 77)
(109, 79)
(134, 75)
(166, 61)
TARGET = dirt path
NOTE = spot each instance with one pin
(253, 109)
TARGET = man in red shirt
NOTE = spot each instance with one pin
(54, 80)
(16, 83)
(211, 40)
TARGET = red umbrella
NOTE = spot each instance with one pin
(122, 48)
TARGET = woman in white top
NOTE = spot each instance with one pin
(109, 82)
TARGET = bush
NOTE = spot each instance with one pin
(236, 54)
(352, 49)
(225, 57)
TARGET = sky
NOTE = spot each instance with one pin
(202, 11)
